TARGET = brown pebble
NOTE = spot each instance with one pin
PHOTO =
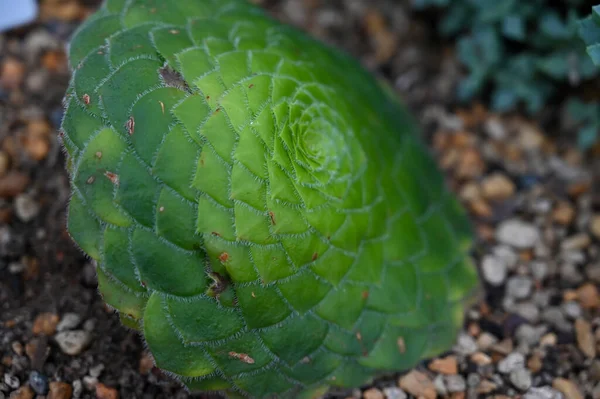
(4, 163)
(481, 208)
(585, 338)
(45, 323)
(535, 363)
(470, 164)
(446, 365)
(146, 363)
(373, 393)
(577, 241)
(497, 187)
(60, 390)
(54, 60)
(563, 213)
(104, 392)
(578, 188)
(595, 226)
(25, 392)
(12, 74)
(568, 388)
(13, 184)
(588, 297)
(384, 39)
(481, 359)
(418, 384)
(549, 339)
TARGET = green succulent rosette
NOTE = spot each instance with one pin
(258, 205)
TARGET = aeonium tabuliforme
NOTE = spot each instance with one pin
(259, 206)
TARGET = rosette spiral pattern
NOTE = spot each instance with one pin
(260, 207)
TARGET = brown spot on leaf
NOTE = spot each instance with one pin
(91, 179)
(272, 216)
(98, 154)
(251, 85)
(365, 294)
(242, 356)
(315, 256)
(86, 99)
(162, 107)
(401, 345)
(224, 257)
(161, 209)
(130, 125)
(113, 177)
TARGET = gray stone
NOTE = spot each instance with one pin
(542, 393)
(519, 287)
(26, 207)
(69, 321)
(394, 393)
(494, 270)
(512, 362)
(455, 383)
(521, 379)
(518, 234)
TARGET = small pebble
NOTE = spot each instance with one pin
(96, 370)
(60, 390)
(69, 321)
(486, 387)
(556, 318)
(521, 379)
(528, 311)
(568, 388)
(45, 323)
(455, 383)
(512, 362)
(542, 393)
(528, 334)
(588, 297)
(585, 338)
(77, 388)
(25, 392)
(105, 392)
(494, 270)
(519, 287)
(578, 241)
(539, 270)
(447, 365)
(394, 393)
(73, 342)
(465, 345)
(418, 384)
(38, 382)
(12, 381)
(481, 359)
(26, 207)
(486, 340)
(497, 187)
(373, 393)
(563, 213)
(517, 233)
(571, 309)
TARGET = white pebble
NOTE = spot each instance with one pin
(518, 234)
(514, 361)
(69, 321)
(494, 270)
(73, 342)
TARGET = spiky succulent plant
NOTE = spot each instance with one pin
(259, 206)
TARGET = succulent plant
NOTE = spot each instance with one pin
(259, 206)
(589, 30)
(520, 55)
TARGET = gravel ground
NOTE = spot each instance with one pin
(535, 204)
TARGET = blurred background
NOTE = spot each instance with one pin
(509, 103)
